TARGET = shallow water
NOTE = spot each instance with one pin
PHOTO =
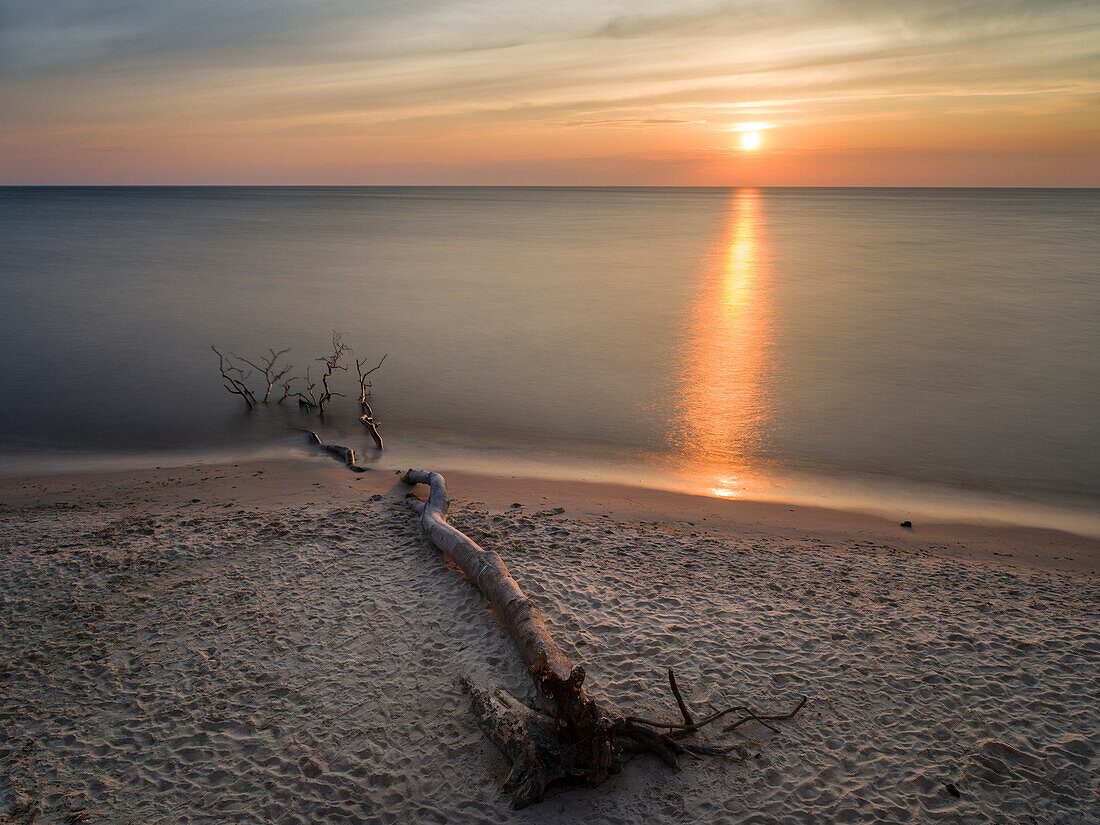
(834, 345)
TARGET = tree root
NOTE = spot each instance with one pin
(530, 741)
(575, 736)
(679, 699)
(687, 728)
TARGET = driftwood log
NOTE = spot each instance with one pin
(573, 735)
(337, 451)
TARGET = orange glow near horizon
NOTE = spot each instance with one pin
(578, 94)
(724, 402)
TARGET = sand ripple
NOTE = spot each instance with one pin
(300, 665)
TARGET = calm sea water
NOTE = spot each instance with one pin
(911, 350)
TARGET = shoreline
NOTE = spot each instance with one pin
(316, 477)
(886, 497)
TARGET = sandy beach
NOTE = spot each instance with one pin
(276, 642)
(757, 343)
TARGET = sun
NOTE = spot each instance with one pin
(751, 135)
(750, 141)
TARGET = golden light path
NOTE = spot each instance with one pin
(724, 401)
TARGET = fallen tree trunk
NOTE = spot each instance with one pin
(338, 451)
(577, 736)
(582, 723)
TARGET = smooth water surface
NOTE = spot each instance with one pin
(940, 344)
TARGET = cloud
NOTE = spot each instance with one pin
(50, 35)
(631, 121)
(77, 73)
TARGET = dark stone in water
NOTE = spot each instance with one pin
(907, 524)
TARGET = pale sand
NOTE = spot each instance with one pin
(287, 649)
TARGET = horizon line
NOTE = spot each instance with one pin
(514, 186)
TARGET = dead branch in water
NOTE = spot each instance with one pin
(366, 417)
(338, 451)
(269, 367)
(277, 372)
(306, 398)
(574, 736)
(234, 378)
(332, 361)
(286, 388)
(364, 384)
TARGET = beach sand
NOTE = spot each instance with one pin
(276, 642)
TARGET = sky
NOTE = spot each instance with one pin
(512, 92)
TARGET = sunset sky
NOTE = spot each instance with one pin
(631, 92)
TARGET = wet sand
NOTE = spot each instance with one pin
(276, 642)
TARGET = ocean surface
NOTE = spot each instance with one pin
(918, 352)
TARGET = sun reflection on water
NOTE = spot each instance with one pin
(723, 403)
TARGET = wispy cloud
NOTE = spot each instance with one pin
(197, 77)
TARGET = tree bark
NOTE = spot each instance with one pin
(339, 451)
(367, 420)
(576, 736)
(581, 722)
(366, 417)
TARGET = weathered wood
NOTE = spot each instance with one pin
(519, 614)
(367, 420)
(680, 699)
(577, 736)
(585, 728)
(345, 454)
(270, 369)
(332, 361)
(528, 738)
(581, 721)
(234, 378)
(366, 417)
(339, 451)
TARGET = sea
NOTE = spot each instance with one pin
(920, 353)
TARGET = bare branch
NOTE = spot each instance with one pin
(714, 717)
(270, 368)
(364, 384)
(332, 362)
(286, 388)
(366, 417)
(680, 699)
(234, 378)
(307, 399)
